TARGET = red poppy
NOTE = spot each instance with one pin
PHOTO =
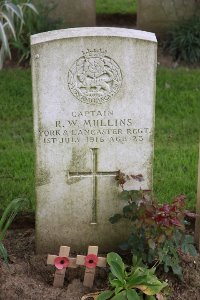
(91, 261)
(61, 262)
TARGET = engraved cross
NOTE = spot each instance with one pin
(94, 174)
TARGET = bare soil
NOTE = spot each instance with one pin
(27, 276)
(117, 20)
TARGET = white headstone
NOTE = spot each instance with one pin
(93, 91)
(160, 16)
(71, 13)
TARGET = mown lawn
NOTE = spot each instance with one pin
(16, 141)
(115, 6)
(176, 135)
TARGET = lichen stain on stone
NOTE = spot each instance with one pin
(149, 171)
(151, 137)
(71, 180)
(35, 50)
(77, 165)
(43, 177)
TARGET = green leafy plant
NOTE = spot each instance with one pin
(183, 42)
(3, 252)
(6, 220)
(34, 24)
(11, 24)
(157, 231)
(137, 282)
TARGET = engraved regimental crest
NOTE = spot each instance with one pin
(94, 78)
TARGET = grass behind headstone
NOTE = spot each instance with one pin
(176, 135)
(16, 142)
(116, 6)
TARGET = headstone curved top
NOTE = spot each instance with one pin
(93, 95)
(92, 32)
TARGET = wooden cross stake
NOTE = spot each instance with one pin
(61, 262)
(90, 261)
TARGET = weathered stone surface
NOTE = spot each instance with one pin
(93, 92)
(73, 13)
(160, 15)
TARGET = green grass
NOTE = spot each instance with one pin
(16, 142)
(115, 6)
(176, 135)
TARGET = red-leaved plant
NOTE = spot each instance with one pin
(157, 231)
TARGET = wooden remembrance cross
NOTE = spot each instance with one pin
(61, 262)
(94, 174)
(91, 261)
